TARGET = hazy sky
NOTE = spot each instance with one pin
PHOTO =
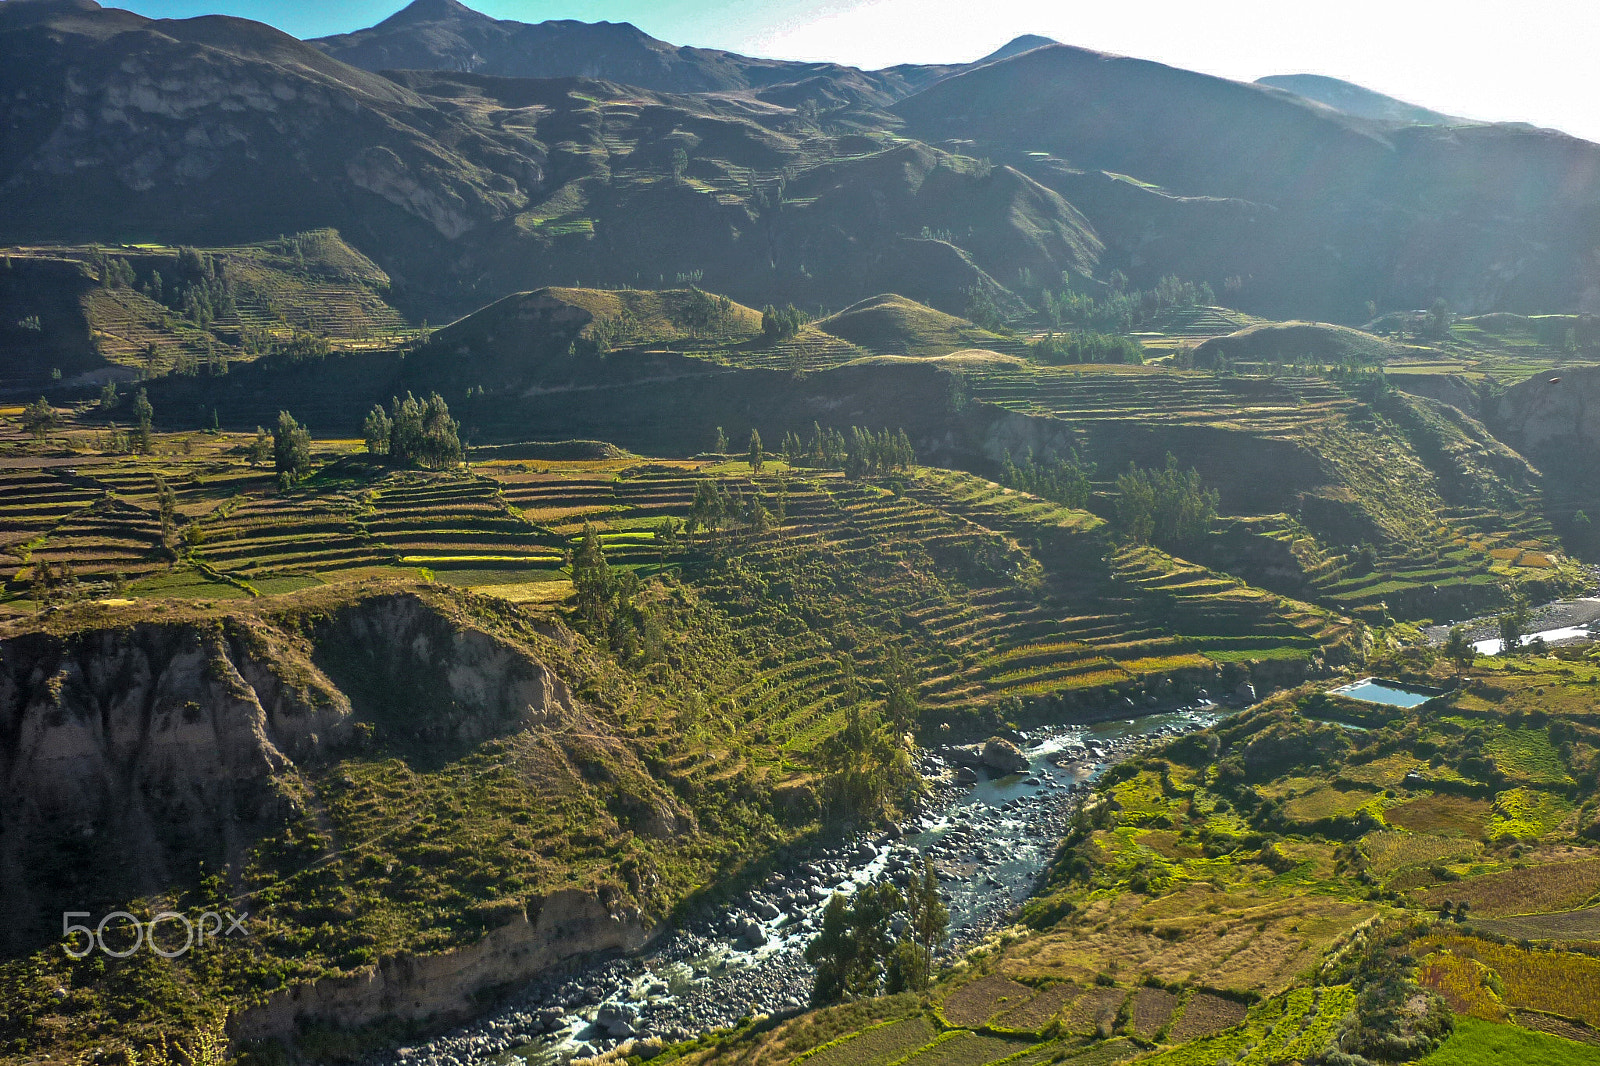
(1528, 60)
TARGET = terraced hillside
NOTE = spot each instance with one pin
(1370, 500)
(993, 595)
(1284, 889)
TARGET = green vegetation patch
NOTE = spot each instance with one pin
(1527, 813)
(1481, 1043)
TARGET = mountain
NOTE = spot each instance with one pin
(446, 35)
(816, 184)
(464, 187)
(123, 128)
(1357, 100)
(1313, 210)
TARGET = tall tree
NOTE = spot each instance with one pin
(144, 415)
(1459, 649)
(377, 430)
(757, 457)
(291, 449)
(927, 927)
(852, 949)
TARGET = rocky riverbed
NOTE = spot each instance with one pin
(1558, 622)
(989, 831)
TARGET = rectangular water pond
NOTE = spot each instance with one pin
(1391, 693)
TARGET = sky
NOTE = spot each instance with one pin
(1502, 60)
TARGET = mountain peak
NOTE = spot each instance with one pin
(1017, 45)
(420, 11)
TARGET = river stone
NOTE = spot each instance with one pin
(765, 910)
(966, 776)
(1000, 754)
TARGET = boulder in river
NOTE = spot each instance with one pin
(1002, 755)
(966, 776)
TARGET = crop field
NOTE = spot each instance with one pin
(1152, 1010)
(1204, 1014)
(1389, 852)
(1283, 1029)
(1558, 982)
(876, 1046)
(1094, 1012)
(965, 1048)
(971, 1006)
(1442, 814)
(1038, 1012)
(1551, 886)
(1481, 1043)
(1527, 755)
(1581, 925)
(1526, 813)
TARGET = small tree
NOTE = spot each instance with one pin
(680, 164)
(377, 429)
(757, 457)
(167, 507)
(1512, 628)
(854, 944)
(40, 418)
(291, 449)
(927, 927)
(1459, 649)
(720, 444)
(144, 415)
(260, 449)
(900, 703)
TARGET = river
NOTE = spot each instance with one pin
(989, 842)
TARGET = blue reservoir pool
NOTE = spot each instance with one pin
(1372, 690)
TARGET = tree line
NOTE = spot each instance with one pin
(862, 453)
(1052, 477)
(1166, 506)
(1085, 346)
(414, 431)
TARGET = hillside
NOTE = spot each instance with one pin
(1297, 342)
(1282, 888)
(445, 35)
(465, 801)
(467, 184)
(1386, 218)
(1358, 100)
(116, 314)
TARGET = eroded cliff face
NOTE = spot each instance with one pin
(1553, 416)
(129, 754)
(132, 754)
(440, 987)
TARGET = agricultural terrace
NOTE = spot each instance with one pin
(991, 594)
(1365, 500)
